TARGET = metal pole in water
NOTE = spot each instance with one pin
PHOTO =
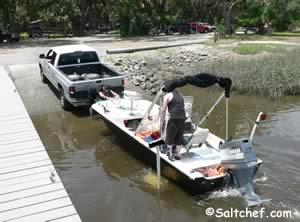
(91, 112)
(158, 167)
(131, 106)
(226, 118)
(254, 127)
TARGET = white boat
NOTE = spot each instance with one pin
(207, 162)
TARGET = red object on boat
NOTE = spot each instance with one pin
(126, 123)
(155, 135)
(263, 116)
(208, 172)
(211, 172)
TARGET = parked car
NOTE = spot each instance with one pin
(211, 28)
(199, 27)
(251, 28)
(180, 27)
(156, 31)
(8, 36)
(35, 29)
(75, 70)
(104, 28)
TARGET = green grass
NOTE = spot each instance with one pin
(273, 76)
(24, 35)
(286, 34)
(282, 36)
(234, 38)
(252, 48)
(56, 35)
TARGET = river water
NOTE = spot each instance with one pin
(106, 183)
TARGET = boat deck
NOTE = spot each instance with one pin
(31, 189)
(204, 156)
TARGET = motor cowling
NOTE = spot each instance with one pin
(240, 160)
(238, 154)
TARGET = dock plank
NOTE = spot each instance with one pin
(26, 172)
(27, 185)
(14, 169)
(24, 159)
(50, 215)
(20, 146)
(20, 152)
(8, 117)
(30, 188)
(16, 123)
(37, 190)
(25, 179)
(40, 207)
(11, 205)
(71, 218)
(13, 129)
(9, 138)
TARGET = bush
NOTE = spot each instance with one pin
(220, 28)
(24, 36)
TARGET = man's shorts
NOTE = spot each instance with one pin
(175, 130)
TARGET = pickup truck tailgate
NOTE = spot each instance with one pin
(82, 88)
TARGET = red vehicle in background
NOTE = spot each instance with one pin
(199, 27)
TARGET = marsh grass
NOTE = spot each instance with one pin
(274, 75)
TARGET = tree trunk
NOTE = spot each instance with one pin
(130, 21)
(227, 23)
(78, 26)
(227, 19)
(228, 6)
(162, 13)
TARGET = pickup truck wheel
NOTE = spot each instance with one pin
(43, 77)
(63, 102)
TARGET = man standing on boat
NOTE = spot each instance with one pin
(175, 128)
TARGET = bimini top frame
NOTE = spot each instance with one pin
(202, 80)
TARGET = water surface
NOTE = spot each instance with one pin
(107, 183)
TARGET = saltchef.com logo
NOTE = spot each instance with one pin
(247, 213)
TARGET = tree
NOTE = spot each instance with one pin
(228, 6)
(253, 14)
(279, 14)
(7, 10)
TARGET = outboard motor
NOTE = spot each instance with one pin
(240, 159)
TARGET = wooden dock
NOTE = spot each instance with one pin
(30, 188)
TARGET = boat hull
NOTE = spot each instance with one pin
(139, 151)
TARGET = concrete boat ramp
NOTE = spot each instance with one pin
(30, 188)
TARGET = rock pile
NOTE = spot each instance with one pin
(149, 70)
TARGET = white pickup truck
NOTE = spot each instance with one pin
(75, 71)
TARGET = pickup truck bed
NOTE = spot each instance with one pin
(75, 71)
(81, 70)
(90, 76)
